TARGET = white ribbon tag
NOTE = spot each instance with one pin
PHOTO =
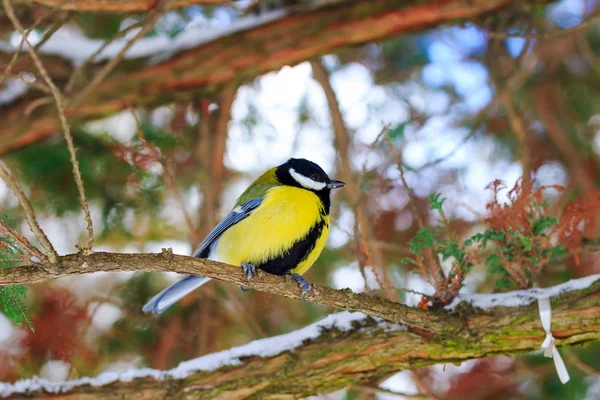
(548, 346)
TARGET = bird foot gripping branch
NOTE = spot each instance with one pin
(249, 271)
(303, 283)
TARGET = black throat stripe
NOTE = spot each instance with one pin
(299, 252)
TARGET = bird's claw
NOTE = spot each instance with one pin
(303, 283)
(249, 270)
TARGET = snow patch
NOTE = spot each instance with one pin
(519, 298)
(272, 346)
(262, 348)
(55, 370)
(13, 88)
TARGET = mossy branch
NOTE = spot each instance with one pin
(334, 358)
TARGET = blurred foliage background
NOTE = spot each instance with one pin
(510, 95)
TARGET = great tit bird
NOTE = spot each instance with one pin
(279, 224)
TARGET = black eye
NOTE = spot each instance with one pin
(314, 177)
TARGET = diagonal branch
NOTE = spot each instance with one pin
(79, 70)
(60, 106)
(165, 172)
(15, 56)
(29, 215)
(341, 350)
(112, 64)
(116, 6)
(21, 241)
(369, 255)
(201, 65)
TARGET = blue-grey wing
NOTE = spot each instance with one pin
(235, 216)
(178, 290)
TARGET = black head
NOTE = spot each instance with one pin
(305, 174)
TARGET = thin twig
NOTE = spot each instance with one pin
(55, 27)
(29, 215)
(75, 75)
(368, 254)
(399, 289)
(59, 101)
(30, 108)
(22, 241)
(153, 16)
(12, 61)
(512, 83)
(516, 124)
(166, 174)
(37, 85)
(366, 242)
(15, 56)
(390, 246)
(24, 37)
(434, 265)
(474, 129)
(396, 158)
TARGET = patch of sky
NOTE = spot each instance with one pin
(515, 45)
(567, 13)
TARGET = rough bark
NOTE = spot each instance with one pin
(426, 323)
(243, 55)
(369, 351)
(116, 6)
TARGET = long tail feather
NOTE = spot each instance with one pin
(174, 293)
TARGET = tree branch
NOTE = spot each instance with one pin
(21, 241)
(116, 6)
(29, 215)
(341, 350)
(112, 64)
(282, 40)
(427, 323)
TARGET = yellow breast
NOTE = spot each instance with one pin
(285, 216)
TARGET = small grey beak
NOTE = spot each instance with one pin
(335, 185)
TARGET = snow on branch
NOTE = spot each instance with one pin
(518, 298)
(267, 347)
(346, 348)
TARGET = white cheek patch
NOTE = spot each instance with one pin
(307, 182)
